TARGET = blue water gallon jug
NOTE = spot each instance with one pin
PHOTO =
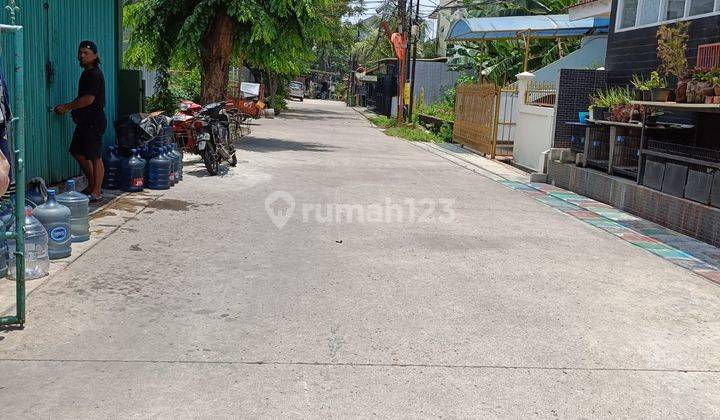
(133, 173)
(179, 156)
(37, 260)
(159, 172)
(6, 220)
(113, 169)
(36, 193)
(146, 155)
(173, 165)
(56, 219)
(79, 205)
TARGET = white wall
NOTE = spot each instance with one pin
(534, 130)
(590, 55)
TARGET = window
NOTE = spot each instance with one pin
(699, 7)
(675, 9)
(649, 12)
(643, 13)
(629, 13)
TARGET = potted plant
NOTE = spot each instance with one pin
(621, 110)
(657, 85)
(612, 104)
(671, 49)
(642, 92)
(701, 84)
(600, 104)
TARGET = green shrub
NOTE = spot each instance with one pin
(382, 121)
(413, 134)
(446, 132)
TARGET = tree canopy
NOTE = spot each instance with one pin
(277, 36)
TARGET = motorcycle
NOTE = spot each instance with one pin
(215, 138)
(207, 131)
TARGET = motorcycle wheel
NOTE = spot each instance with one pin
(233, 160)
(211, 161)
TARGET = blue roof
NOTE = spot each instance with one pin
(511, 27)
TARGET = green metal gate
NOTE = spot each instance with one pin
(53, 30)
(17, 128)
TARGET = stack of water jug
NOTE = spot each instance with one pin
(157, 166)
(50, 230)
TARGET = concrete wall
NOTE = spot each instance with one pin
(534, 129)
(590, 55)
(434, 78)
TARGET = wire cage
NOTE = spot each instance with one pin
(599, 150)
(665, 146)
(577, 139)
(626, 153)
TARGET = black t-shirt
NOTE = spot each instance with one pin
(92, 82)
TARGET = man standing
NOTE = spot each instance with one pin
(88, 113)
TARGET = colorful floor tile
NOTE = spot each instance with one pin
(681, 250)
(684, 251)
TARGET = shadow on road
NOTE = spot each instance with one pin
(265, 145)
(312, 114)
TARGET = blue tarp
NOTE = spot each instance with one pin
(511, 27)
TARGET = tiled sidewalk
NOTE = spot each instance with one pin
(692, 254)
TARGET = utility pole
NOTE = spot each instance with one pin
(415, 37)
(402, 69)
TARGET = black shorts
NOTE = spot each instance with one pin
(87, 140)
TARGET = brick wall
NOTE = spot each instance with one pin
(574, 90)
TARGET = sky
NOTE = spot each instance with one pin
(426, 7)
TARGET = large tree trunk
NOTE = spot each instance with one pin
(215, 53)
(272, 85)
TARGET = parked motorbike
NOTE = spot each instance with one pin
(206, 131)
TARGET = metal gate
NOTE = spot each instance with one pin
(485, 118)
(507, 120)
(52, 31)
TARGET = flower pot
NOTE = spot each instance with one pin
(638, 95)
(717, 90)
(646, 95)
(659, 95)
(681, 92)
(607, 116)
(598, 113)
(703, 89)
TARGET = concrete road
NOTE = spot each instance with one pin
(476, 301)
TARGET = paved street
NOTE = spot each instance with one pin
(490, 305)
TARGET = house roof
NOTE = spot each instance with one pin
(448, 5)
(590, 8)
(511, 27)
